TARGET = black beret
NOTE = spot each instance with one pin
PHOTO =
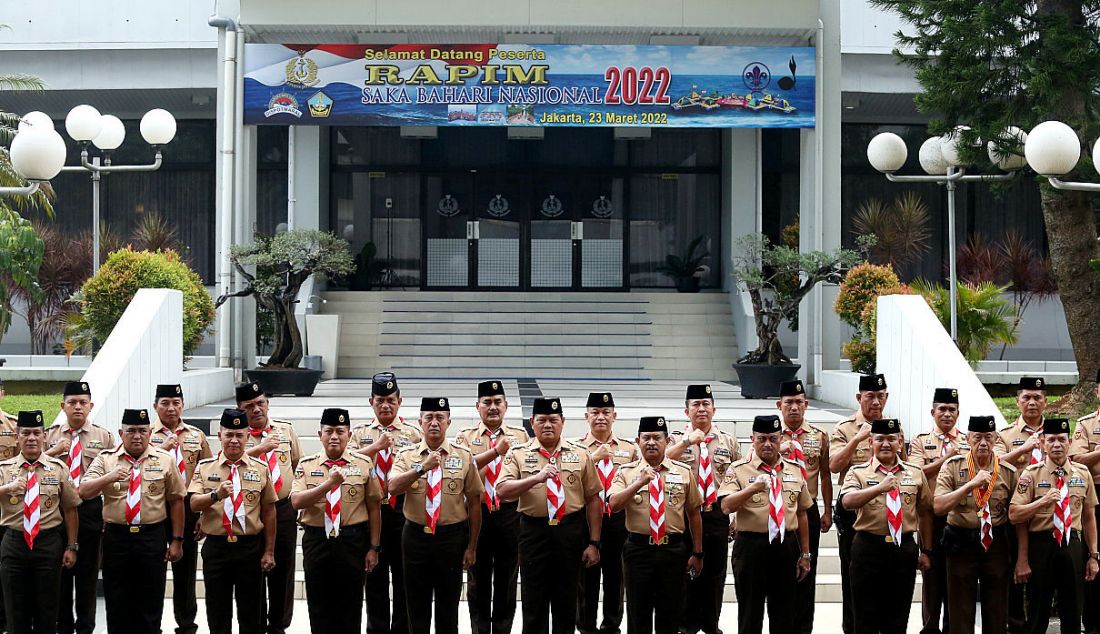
(383, 384)
(945, 395)
(30, 419)
(698, 391)
(249, 391)
(545, 405)
(335, 416)
(872, 383)
(765, 424)
(600, 399)
(982, 424)
(76, 388)
(233, 418)
(1055, 426)
(1032, 383)
(791, 388)
(435, 404)
(885, 426)
(490, 388)
(652, 423)
(135, 417)
(169, 390)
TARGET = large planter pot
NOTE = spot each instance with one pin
(759, 380)
(687, 284)
(296, 381)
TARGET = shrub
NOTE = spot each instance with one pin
(861, 287)
(984, 317)
(105, 296)
(862, 354)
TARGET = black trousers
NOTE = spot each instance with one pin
(765, 572)
(934, 585)
(433, 575)
(610, 568)
(184, 604)
(883, 576)
(1090, 618)
(233, 570)
(133, 577)
(31, 580)
(844, 523)
(1017, 618)
(335, 569)
(378, 581)
(703, 603)
(550, 558)
(805, 592)
(78, 584)
(974, 575)
(655, 582)
(491, 583)
(1058, 569)
(279, 609)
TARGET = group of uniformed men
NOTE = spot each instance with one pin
(1012, 513)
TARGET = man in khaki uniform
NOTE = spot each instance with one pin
(8, 448)
(1085, 450)
(709, 452)
(892, 499)
(141, 490)
(553, 482)
(808, 447)
(491, 583)
(275, 443)
(660, 500)
(36, 545)
(187, 445)
(77, 443)
(850, 444)
(973, 490)
(442, 487)
(772, 553)
(1053, 504)
(337, 498)
(930, 450)
(381, 440)
(608, 454)
(1021, 442)
(233, 493)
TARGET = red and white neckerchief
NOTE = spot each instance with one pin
(706, 472)
(271, 458)
(797, 454)
(1063, 515)
(946, 440)
(555, 492)
(894, 513)
(76, 456)
(433, 496)
(492, 472)
(383, 462)
(234, 504)
(776, 511)
(332, 502)
(177, 451)
(31, 511)
(605, 469)
(656, 509)
(1037, 451)
(133, 493)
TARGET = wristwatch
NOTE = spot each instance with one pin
(595, 542)
(214, 495)
(927, 551)
(73, 547)
(177, 538)
(1095, 556)
(806, 556)
(376, 547)
(698, 555)
(419, 468)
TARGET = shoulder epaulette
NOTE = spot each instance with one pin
(208, 460)
(1006, 428)
(258, 462)
(1007, 464)
(677, 463)
(737, 463)
(956, 458)
(315, 456)
(1086, 417)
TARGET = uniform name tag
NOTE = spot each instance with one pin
(1043, 485)
(250, 476)
(674, 478)
(403, 442)
(622, 453)
(477, 442)
(1096, 431)
(872, 483)
(722, 452)
(50, 480)
(1018, 442)
(214, 478)
(7, 433)
(452, 463)
(317, 474)
(930, 446)
(788, 478)
(531, 459)
(152, 469)
(367, 441)
(909, 482)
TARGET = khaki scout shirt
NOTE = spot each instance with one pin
(192, 443)
(55, 489)
(1085, 439)
(288, 451)
(460, 482)
(1012, 437)
(622, 451)
(723, 449)
(578, 476)
(927, 447)
(93, 439)
(1039, 479)
(255, 486)
(815, 446)
(476, 437)
(753, 515)
(403, 434)
(161, 483)
(8, 446)
(680, 489)
(916, 496)
(955, 473)
(842, 434)
(358, 488)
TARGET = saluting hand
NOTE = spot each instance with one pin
(785, 447)
(981, 479)
(1032, 442)
(1052, 497)
(269, 444)
(432, 461)
(336, 476)
(952, 450)
(646, 475)
(225, 489)
(62, 446)
(864, 432)
(18, 486)
(170, 443)
(696, 437)
(548, 472)
(503, 445)
(759, 485)
(121, 473)
(601, 452)
(889, 483)
(384, 441)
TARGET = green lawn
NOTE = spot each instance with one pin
(1007, 405)
(50, 404)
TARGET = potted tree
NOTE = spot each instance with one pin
(283, 263)
(688, 268)
(777, 277)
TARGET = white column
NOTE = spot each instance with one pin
(305, 201)
(740, 216)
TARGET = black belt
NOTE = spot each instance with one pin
(567, 519)
(283, 501)
(504, 506)
(345, 531)
(1074, 535)
(234, 539)
(132, 529)
(755, 535)
(46, 531)
(670, 539)
(886, 539)
(440, 529)
(975, 534)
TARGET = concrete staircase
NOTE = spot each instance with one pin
(646, 335)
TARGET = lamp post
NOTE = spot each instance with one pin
(37, 154)
(86, 125)
(1053, 149)
(940, 159)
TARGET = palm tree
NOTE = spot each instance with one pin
(985, 318)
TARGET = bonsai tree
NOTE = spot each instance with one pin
(688, 267)
(777, 277)
(282, 264)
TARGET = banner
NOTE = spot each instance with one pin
(529, 85)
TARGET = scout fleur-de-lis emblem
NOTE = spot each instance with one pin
(756, 76)
(301, 72)
(498, 206)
